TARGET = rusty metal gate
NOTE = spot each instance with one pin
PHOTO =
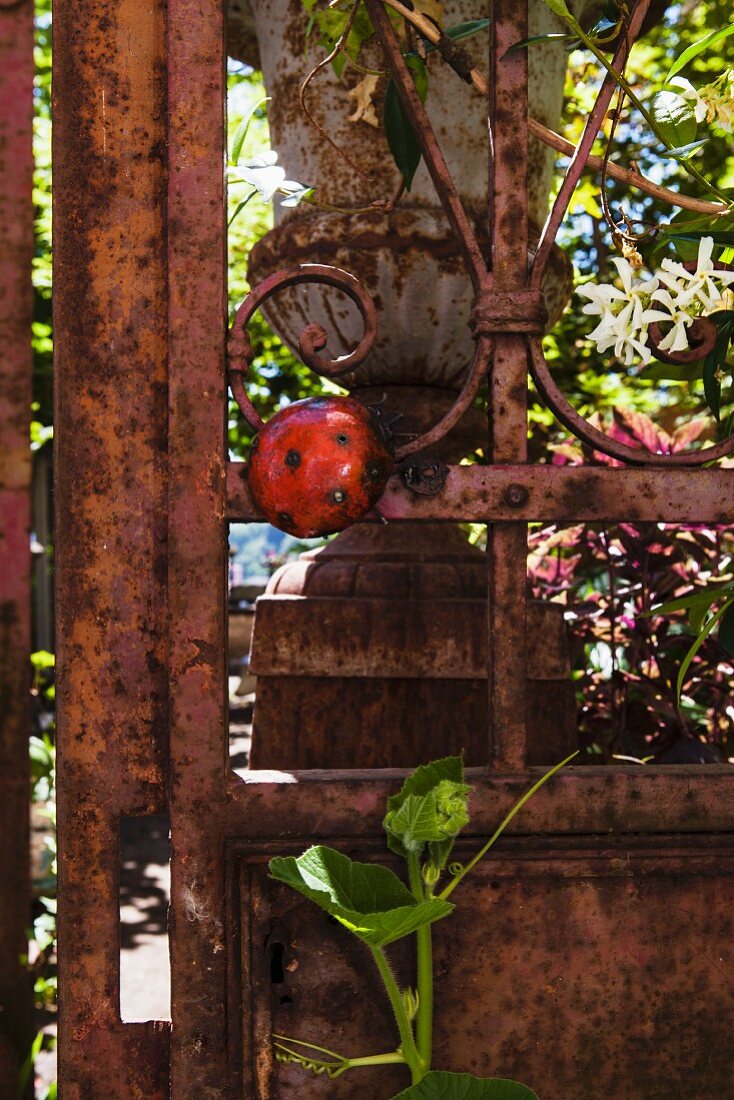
(595, 953)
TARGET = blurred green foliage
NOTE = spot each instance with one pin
(41, 429)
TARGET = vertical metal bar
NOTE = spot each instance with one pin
(507, 542)
(110, 399)
(16, 251)
(197, 540)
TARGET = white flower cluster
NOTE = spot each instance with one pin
(626, 314)
(713, 102)
(267, 177)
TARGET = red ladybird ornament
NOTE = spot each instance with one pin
(319, 465)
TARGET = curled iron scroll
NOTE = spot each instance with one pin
(312, 339)
(702, 336)
(600, 441)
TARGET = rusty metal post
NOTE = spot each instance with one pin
(198, 545)
(110, 395)
(16, 251)
(507, 405)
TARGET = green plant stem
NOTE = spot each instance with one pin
(633, 98)
(449, 889)
(333, 1069)
(407, 1042)
(424, 987)
(393, 1059)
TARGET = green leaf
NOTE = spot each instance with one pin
(558, 37)
(240, 206)
(42, 659)
(428, 776)
(696, 235)
(438, 815)
(558, 7)
(686, 230)
(239, 138)
(693, 599)
(429, 808)
(685, 152)
(675, 118)
(726, 629)
(440, 1085)
(24, 1074)
(399, 133)
(368, 899)
(711, 39)
(667, 372)
(461, 30)
(703, 635)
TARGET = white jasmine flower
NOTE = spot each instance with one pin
(703, 286)
(677, 338)
(602, 299)
(713, 102)
(626, 314)
(267, 177)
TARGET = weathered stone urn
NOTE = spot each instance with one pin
(410, 263)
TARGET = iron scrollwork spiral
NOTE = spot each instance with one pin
(313, 338)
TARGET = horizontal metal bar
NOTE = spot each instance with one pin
(578, 801)
(562, 494)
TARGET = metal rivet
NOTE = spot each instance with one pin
(516, 495)
(285, 518)
(338, 496)
(375, 473)
(293, 459)
(342, 439)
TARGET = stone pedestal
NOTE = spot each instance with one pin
(372, 652)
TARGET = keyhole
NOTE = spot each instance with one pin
(275, 950)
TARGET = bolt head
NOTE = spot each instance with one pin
(516, 495)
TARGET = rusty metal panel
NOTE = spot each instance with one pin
(16, 252)
(197, 538)
(110, 395)
(560, 494)
(569, 971)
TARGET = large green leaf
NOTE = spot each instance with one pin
(711, 39)
(399, 133)
(366, 898)
(675, 119)
(440, 1085)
